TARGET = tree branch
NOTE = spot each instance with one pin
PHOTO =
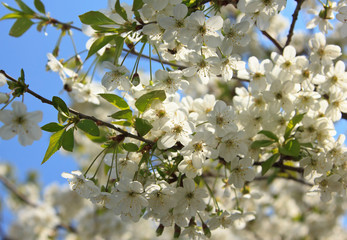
(295, 18)
(274, 41)
(262, 178)
(284, 167)
(11, 187)
(81, 115)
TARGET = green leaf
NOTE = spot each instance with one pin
(60, 105)
(291, 148)
(54, 144)
(12, 15)
(39, 6)
(89, 127)
(121, 11)
(52, 127)
(130, 147)
(292, 123)
(68, 140)
(20, 26)
(99, 43)
(269, 135)
(145, 101)
(137, 4)
(10, 8)
(24, 7)
(96, 18)
(119, 47)
(307, 145)
(62, 118)
(115, 100)
(123, 114)
(261, 143)
(268, 163)
(142, 126)
(122, 123)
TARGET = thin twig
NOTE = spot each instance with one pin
(284, 167)
(274, 41)
(83, 116)
(262, 178)
(10, 186)
(295, 18)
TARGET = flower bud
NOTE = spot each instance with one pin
(177, 231)
(3, 98)
(160, 230)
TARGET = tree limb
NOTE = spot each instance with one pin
(83, 116)
(274, 41)
(295, 18)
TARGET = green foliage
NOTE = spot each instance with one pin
(120, 10)
(123, 114)
(268, 163)
(142, 126)
(291, 148)
(54, 144)
(144, 102)
(68, 140)
(20, 26)
(39, 6)
(99, 43)
(96, 18)
(60, 105)
(261, 143)
(292, 123)
(115, 100)
(89, 127)
(130, 147)
(52, 127)
(269, 134)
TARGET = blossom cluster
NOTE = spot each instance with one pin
(198, 162)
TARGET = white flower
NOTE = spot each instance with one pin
(176, 129)
(342, 17)
(129, 199)
(191, 167)
(2, 80)
(234, 35)
(231, 145)
(327, 185)
(160, 198)
(19, 121)
(84, 187)
(337, 104)
(322, 53)
(4, 97)
(169, 81)
(190, 199)
(86, 92)
(241, 172)
(322, 18)
(258, 73)
(222, 117)
(116, 78)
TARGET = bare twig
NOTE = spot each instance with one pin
(11, 187)
(295, 18)
(83, 116)
(283, 167)
(262, 178)
(274, 41)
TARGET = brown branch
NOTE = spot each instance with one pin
(11, 187)
(283, 167)
(262, 178)
(81, 115)
(295, 18)
(65, 26)
(274, 41)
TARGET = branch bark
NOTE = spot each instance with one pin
(295, 18)
(81, 115)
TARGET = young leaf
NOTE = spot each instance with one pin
(25, 8)
(89, 127)
(98, 44)
(130, 147)
(60, 105)
(20, 26)
(96, 18)
(269, 135)
(268, 163)
(261, 143)
(122, 123)
(123, 114)
(121, 11)
(54, 144)
(142, 126)
(39, 6)
(292, 123)
(52, 127)
(119, 47)
(145, 101)
(68, 140)
(115, 100)
(137, 4)
(291, 148)
(12, 15)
